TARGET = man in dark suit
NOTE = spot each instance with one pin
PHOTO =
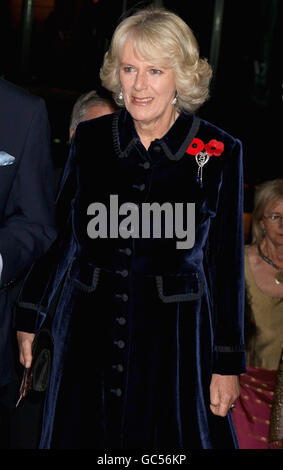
(27, 226)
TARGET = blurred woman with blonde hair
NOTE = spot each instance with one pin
(264, 318)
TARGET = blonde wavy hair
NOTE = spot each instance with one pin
(164, 39)
(268, 192)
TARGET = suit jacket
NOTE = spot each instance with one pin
(26, 196)
(140, 325)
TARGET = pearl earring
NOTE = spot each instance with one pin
(121, 96)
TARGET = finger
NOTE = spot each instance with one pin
(25, 341)
(26, 354)
(22, 359)
(225, 405)
(219, 410)
(223, 409)
(214, 397)
(214, 408)
(27, 360)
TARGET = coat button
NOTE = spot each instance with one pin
(123, 273)
(116, 391)
(121, 320)
(118, 367)
(123, 297)
(120, 344)
(126, 251)
(140, 187)
(145, 165)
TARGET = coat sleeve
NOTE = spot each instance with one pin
(28, 228)
(225, 261)
(43, 281)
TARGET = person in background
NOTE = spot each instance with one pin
(148, 334)
(27, 226)
(264, 317)
(90, 105)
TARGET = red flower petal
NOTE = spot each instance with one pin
(214, 147)
(195, 146)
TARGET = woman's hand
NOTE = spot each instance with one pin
(224, 390)
(25, 343)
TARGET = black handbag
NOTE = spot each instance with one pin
(36, 377)
(42, 353)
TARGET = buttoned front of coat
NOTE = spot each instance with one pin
(141, 325)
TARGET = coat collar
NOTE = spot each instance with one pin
(174, 144)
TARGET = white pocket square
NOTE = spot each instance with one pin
(6, 159)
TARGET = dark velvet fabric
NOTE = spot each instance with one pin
(140, 326)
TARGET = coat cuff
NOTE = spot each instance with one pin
(229, 360)
(28, 319)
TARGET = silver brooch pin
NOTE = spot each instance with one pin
(201, 159)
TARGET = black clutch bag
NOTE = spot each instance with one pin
(42, 353)
(36, 377)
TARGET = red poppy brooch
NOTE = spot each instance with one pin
(202, 153)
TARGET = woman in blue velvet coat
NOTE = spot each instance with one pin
(148, 328)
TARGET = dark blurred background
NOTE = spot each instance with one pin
(55, 48)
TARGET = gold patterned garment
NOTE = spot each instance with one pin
(276, 417)
(265, 347)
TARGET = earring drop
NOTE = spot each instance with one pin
(121, 96)
(174, 101)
